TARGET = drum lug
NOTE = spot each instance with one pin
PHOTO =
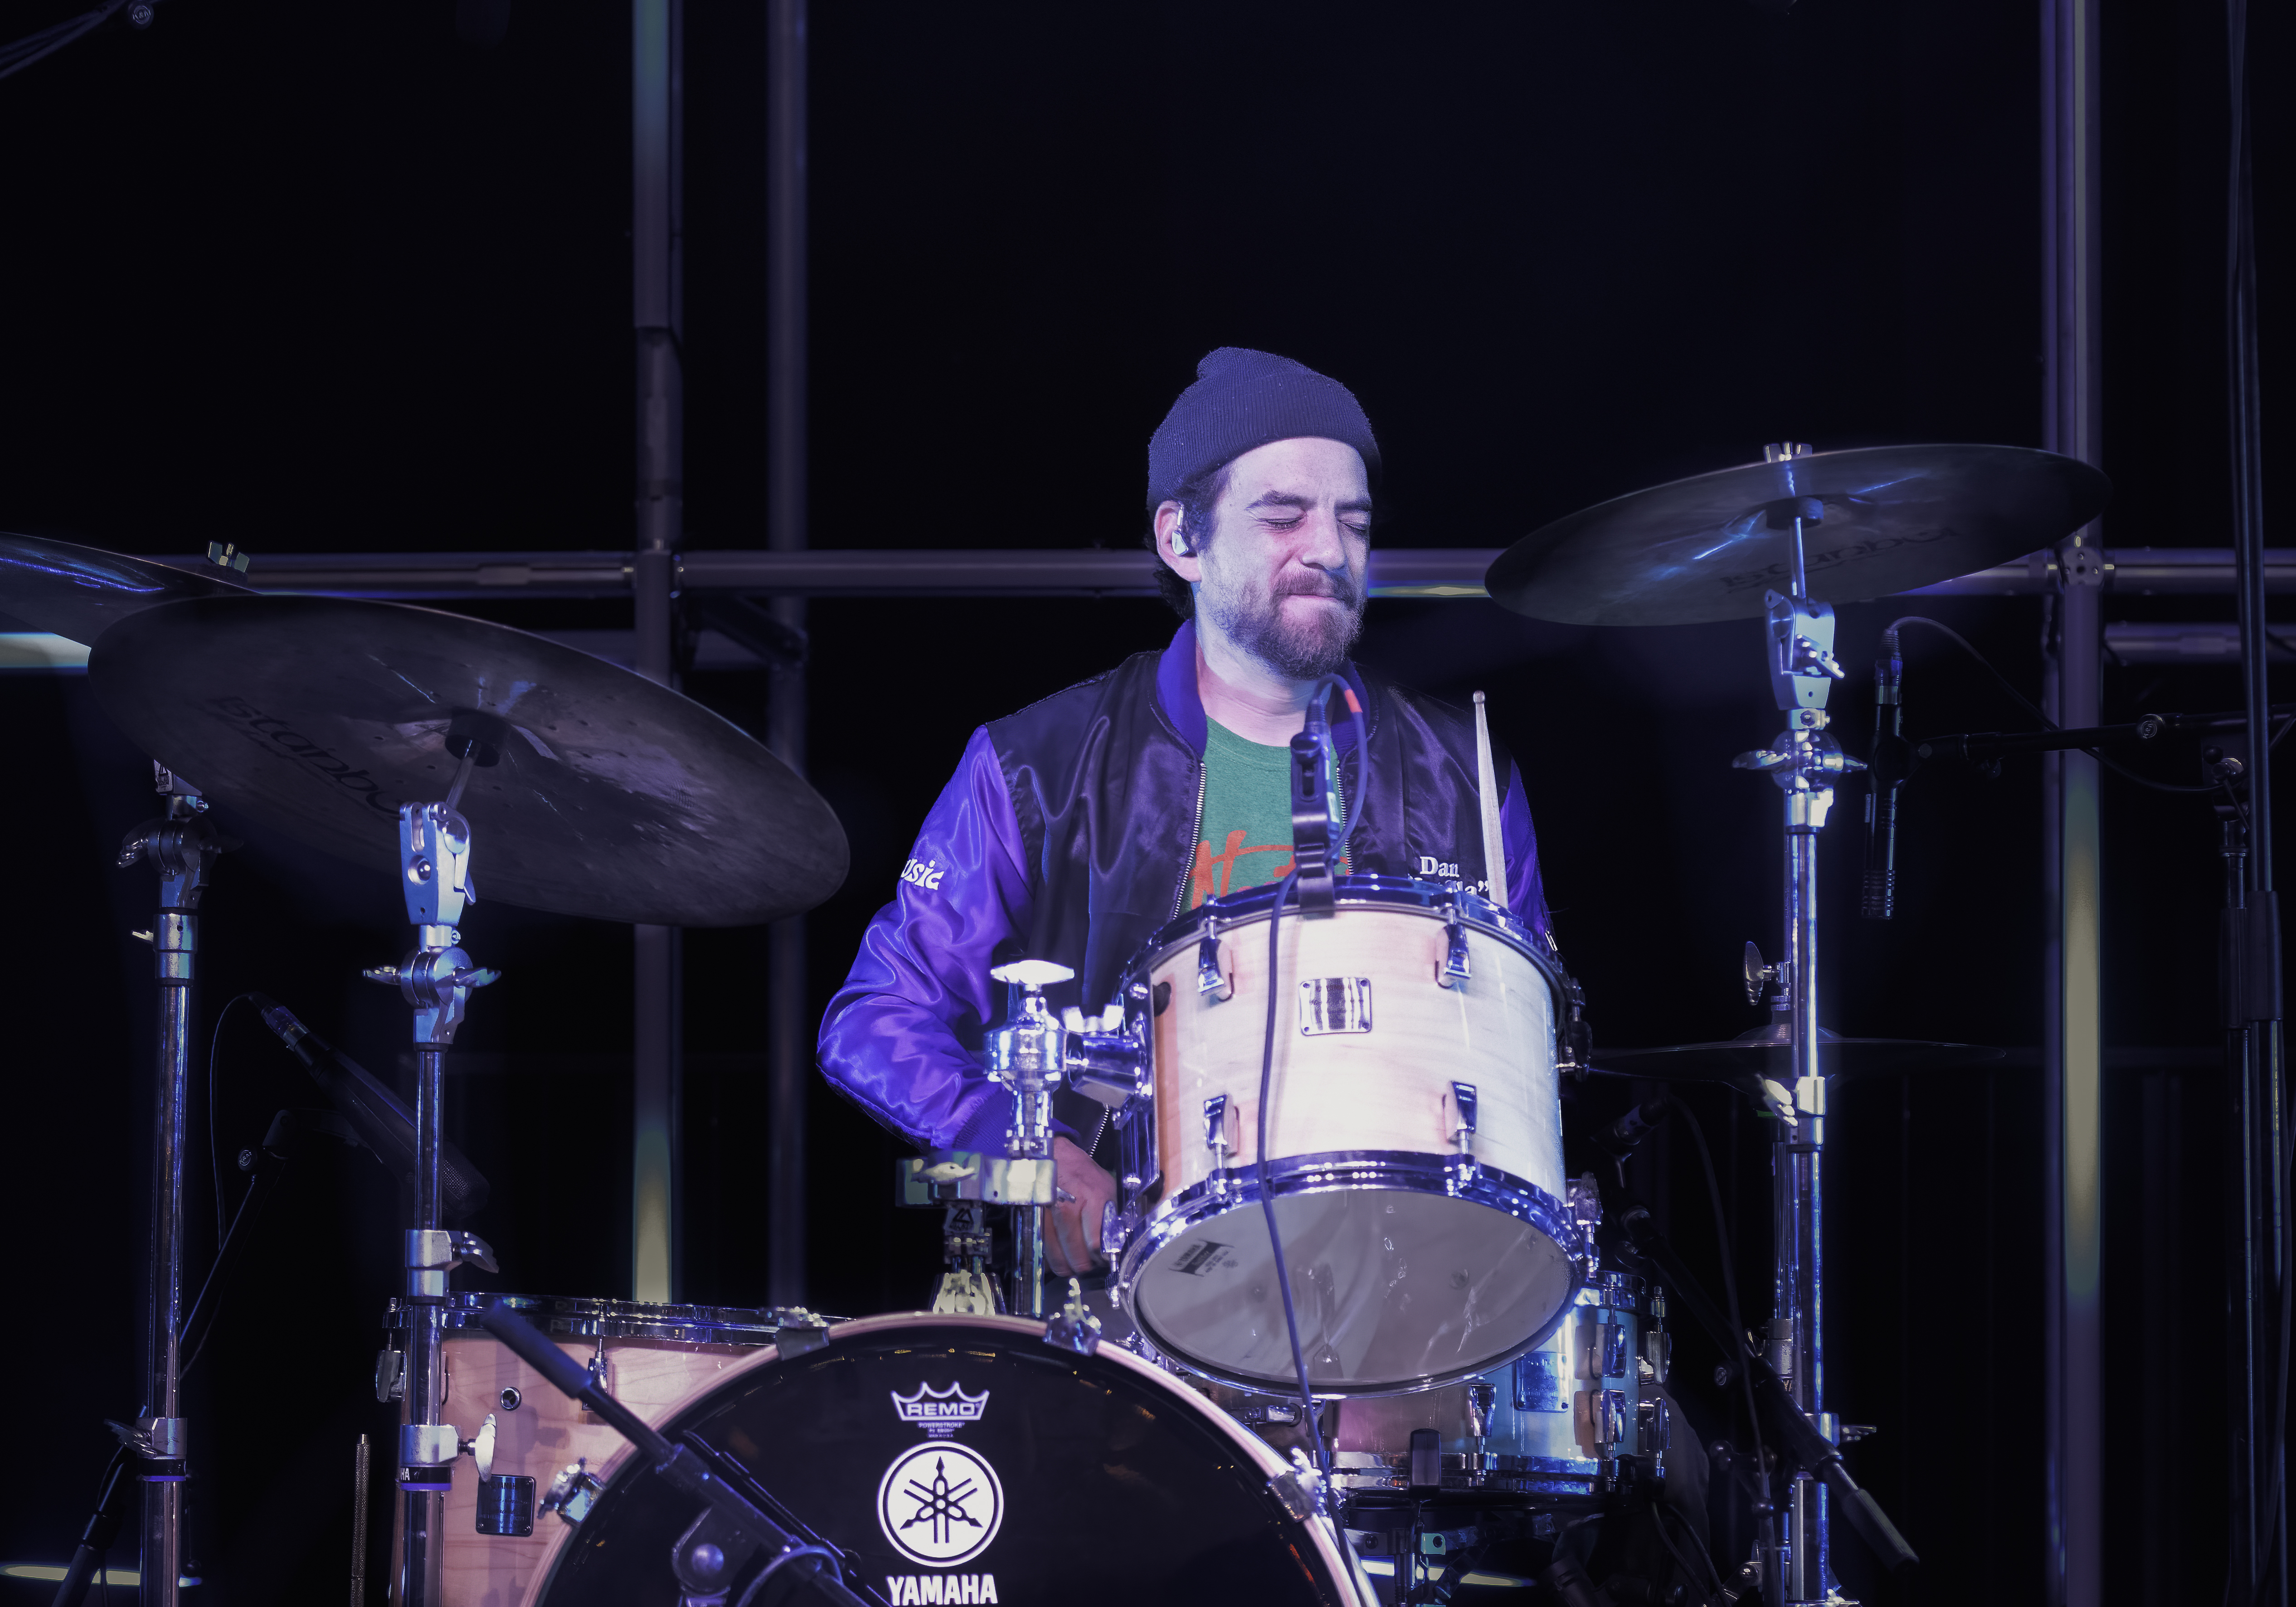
(1213, 981)
(1216, 1138)
(1463, 1118)
(1457, 966)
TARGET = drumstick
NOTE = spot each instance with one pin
(1494, 844)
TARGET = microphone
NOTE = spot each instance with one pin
(1891, 762)
(1625, 1136)
(1315, 806)
(385, 1126)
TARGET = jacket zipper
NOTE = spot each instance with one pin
(1195, 834)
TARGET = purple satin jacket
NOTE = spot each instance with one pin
(1067, 834)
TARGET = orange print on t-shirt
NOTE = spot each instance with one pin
(1214, 875)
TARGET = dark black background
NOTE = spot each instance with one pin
(324, 279)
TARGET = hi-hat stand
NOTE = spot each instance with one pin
(1804, 761)
(435, 980)
(182, 846)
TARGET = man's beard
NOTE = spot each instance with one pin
(1298, 647)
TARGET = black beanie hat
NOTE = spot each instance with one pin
(1242, 399)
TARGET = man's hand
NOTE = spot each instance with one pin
(1072, 1226)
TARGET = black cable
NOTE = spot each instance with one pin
(1729, 1279)
(238, 1220)
(1662, 1513)
(1309, 1418)
(2047, 724)
(214, 1162)
(21, 53)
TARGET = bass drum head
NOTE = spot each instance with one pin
(1395, 1290)
(1056, 1477)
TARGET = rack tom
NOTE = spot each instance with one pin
(1414, 1141)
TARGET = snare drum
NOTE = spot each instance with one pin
(1414, 1132)
(651, 1356)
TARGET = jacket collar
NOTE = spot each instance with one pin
(1184, 706)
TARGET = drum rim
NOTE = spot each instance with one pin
(1341, 1571)
(597, 1316)
(1309, 1174)
(1405, 895)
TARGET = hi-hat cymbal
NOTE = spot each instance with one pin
(613, 795)
(1707, 548)
(76, 592)
(1768, 1052)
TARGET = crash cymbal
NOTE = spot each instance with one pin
(75, 592)
(612, 796)
(1766, 1052)
(1707, 548)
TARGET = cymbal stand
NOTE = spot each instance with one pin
(181, 845)
(1804, 761)
(436, 980)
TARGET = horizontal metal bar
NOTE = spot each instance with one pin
(2195, 643)
(1986, 744)
(1090, 571)
(2130, 571)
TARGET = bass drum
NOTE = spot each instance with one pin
(966, 1459)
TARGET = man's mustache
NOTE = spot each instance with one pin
(1338, 588)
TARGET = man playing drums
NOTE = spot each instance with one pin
(1076, 828)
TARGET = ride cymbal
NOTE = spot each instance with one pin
(1707, 548)
(609, 795)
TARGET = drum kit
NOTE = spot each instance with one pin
(1356, 1342)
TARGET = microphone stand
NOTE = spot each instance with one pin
(1811, 1454)
(1804, 761)
(182, 846)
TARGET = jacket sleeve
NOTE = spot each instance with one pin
(1526, 892)
(895, 1039)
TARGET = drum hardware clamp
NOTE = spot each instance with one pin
(1072, 1327)
(573, 1492)
(1299, 1488)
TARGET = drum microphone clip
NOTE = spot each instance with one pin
(1315, 807)
(1316, 818)
(1624, 1136)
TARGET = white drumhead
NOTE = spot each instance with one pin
(1394, 1289)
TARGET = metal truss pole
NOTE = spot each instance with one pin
(2073, 1070)
(657, 96)
(788, 1020)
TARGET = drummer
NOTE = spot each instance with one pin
(1076, 828)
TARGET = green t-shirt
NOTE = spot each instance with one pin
(1246, 836)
